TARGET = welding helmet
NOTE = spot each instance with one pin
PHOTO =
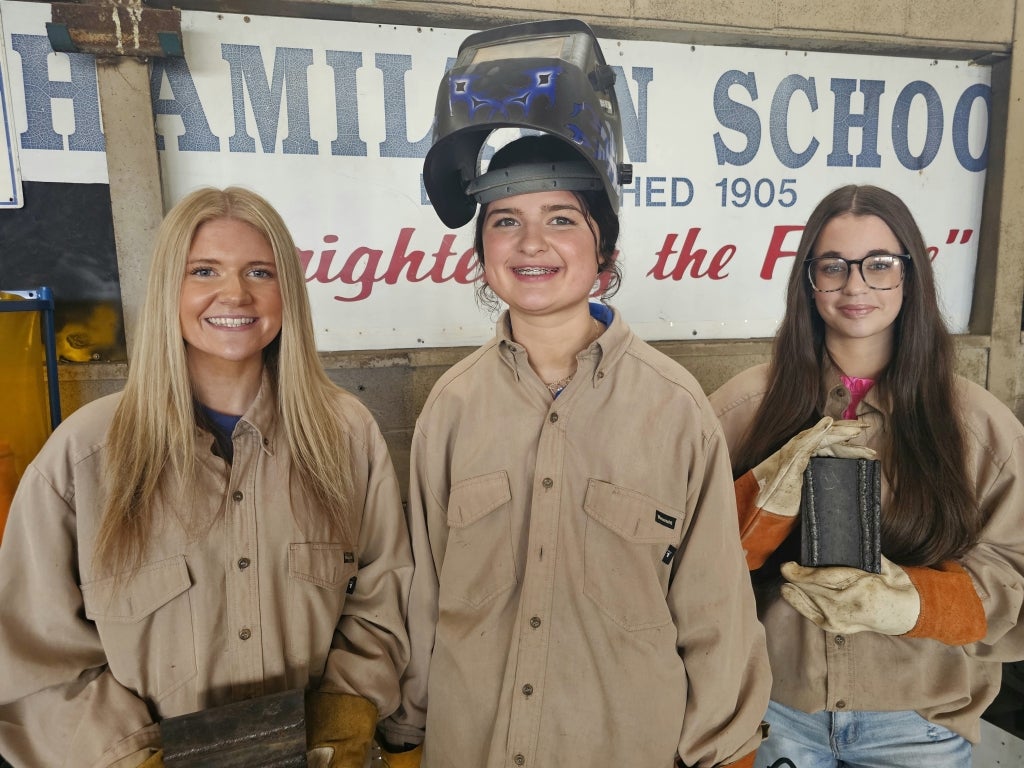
(544, 76)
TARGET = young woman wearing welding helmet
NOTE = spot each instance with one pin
(580, 595)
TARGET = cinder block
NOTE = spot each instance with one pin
(527, 10)
(982, 21)
(880, 17)
(748, 14)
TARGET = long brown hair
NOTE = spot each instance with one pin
(152, 432)
(933, 514)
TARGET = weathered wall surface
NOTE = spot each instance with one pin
(394, 383)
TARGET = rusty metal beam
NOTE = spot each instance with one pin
(110, 28)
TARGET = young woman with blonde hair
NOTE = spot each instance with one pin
(229, 526)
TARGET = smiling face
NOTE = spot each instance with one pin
(230, 305)
(857, 313)
(541, 252)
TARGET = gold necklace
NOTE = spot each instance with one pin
(554, 387)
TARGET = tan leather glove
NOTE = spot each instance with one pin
(780, 477)
(339, 729)
(768, 496)
(940, 603)
(844, 600)
(156, 760)
(409, 759)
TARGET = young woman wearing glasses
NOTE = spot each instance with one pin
(890, 669)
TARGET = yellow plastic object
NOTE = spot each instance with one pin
(8, 483)
(24, 406)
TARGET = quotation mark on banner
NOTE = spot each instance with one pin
(951, 237)
(954, 234)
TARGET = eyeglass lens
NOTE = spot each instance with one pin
(881, 272)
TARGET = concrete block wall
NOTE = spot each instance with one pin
(864, 25)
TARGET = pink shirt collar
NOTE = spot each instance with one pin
(858, 387)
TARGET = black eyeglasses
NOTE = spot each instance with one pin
(880, 271)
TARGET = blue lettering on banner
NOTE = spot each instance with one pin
(741, 191)
(40, 91)
(962, 122)
(396, 142)
(739, 116)
(186, 104)
(901, 118)
(780, 118)
(346, 110)
(677, 199)
(248, 72)
(287, 85)
(634, 118)
(844, 119)
(651, 191)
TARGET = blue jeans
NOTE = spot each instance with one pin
(858, 740)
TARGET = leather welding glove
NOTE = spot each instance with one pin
(156, 760)
(768, 496)
(339, 729)
(940, 603)
(409, 759)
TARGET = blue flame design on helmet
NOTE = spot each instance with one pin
(466, 89)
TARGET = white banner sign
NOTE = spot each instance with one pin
(731, 149)
(10, 172)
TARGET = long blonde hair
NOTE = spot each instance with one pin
(153, 429)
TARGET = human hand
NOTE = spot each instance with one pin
(780, 476)
(319, 757)
(846, 600)
(339, 729)
(408, 759)
(836, 441)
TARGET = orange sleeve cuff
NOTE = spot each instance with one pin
(951, 611)
(743, 762)
(746, 497)
(761, 532)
